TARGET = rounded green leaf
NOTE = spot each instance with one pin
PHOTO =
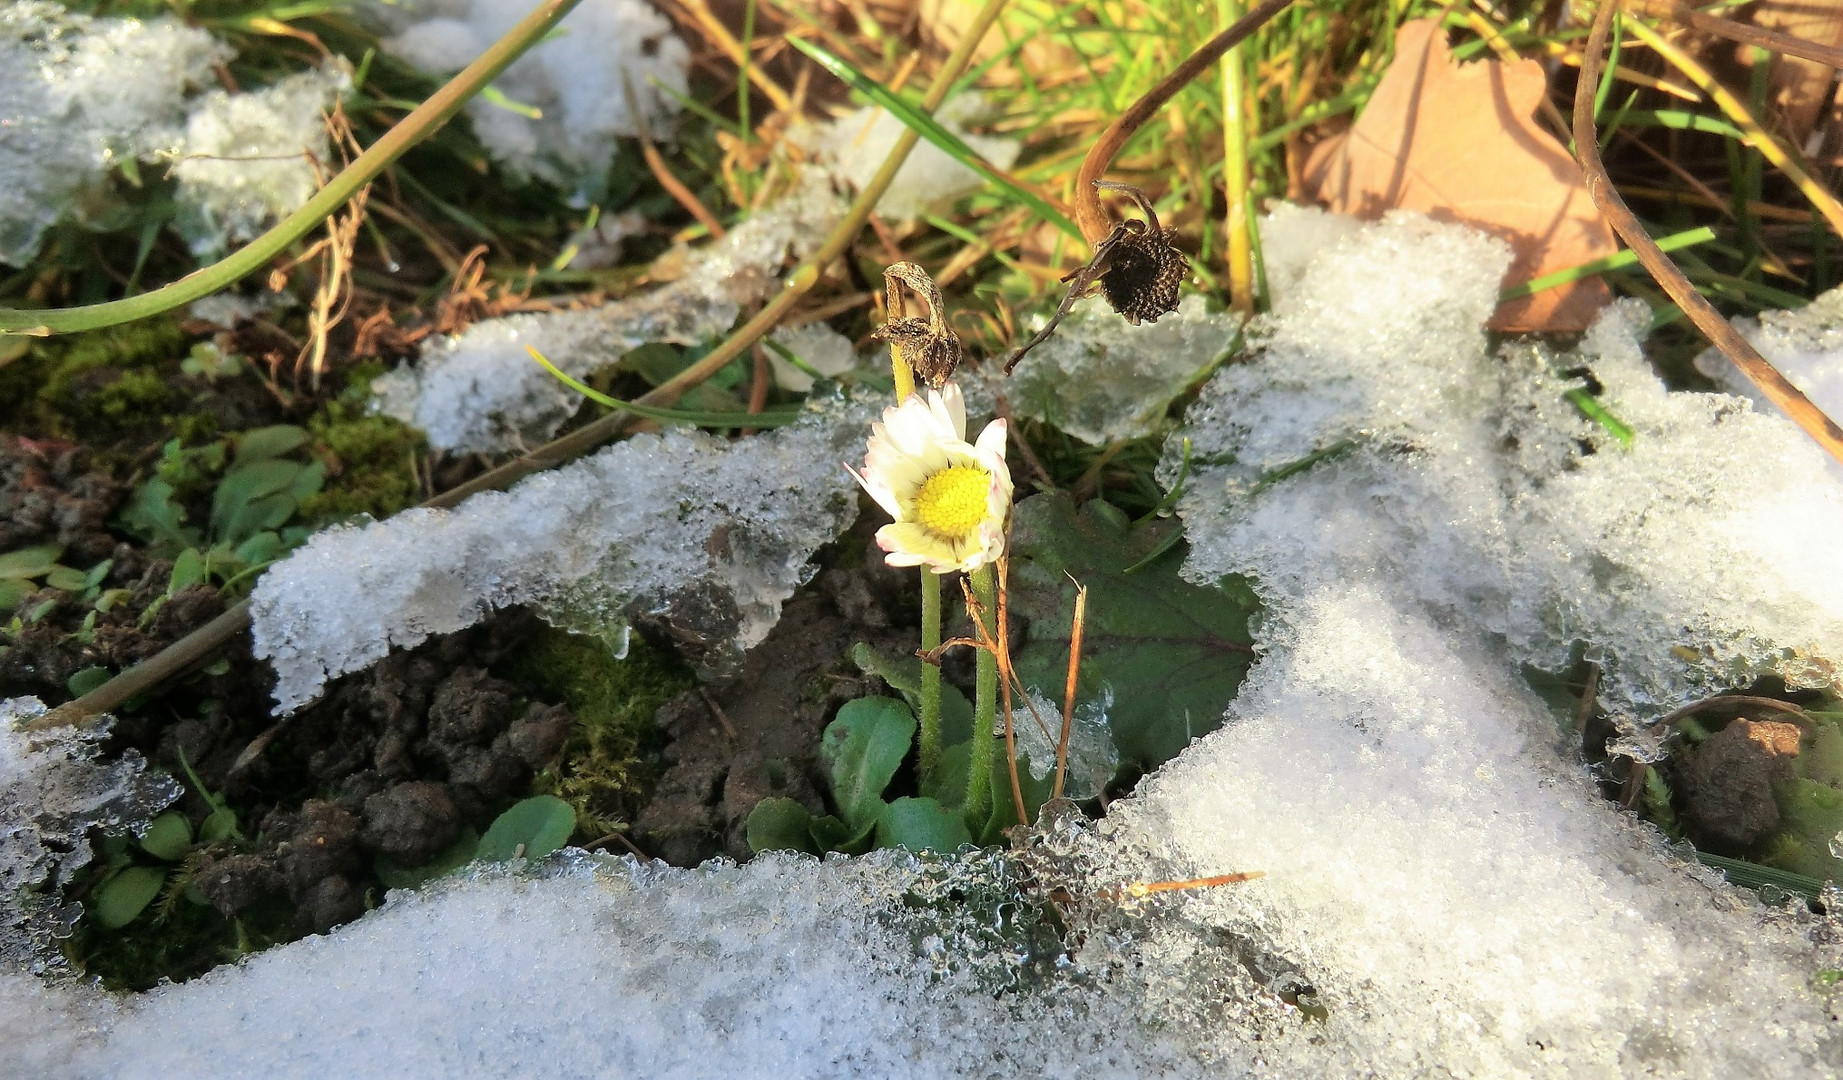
(781, 825)
(531, 829)
(168, 837)
(219, 824)
(125, 895)
(921, 825)
(89, 678)
(863, 748)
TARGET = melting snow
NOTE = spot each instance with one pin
(479, 390)
(565, 102)
(853, 148)
(709, 536)
(1446, 892)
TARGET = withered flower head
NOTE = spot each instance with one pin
(1142, 270)
(1136, 266)
(929, 346)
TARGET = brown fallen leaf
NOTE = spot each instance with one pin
(1460, 143)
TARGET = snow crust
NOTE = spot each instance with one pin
(1806, 345)
(246, 157)
(77, 95)
(577, 81)
(708, 534)
(52, 792)
(80, 96)
(480, 391)
(854, 146)
(1374, 437)
(1100, 378)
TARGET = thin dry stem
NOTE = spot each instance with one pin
(1762, 374)
(1077, 626)
(656, 162)
(1770, 40)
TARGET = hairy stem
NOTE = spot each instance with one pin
(929, 740)
(984, 582)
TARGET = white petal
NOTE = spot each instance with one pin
(992, 439)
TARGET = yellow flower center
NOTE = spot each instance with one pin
(953, 501)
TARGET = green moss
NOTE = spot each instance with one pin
(373, 454)
(603, 775)
(176, 938)
(101, 386)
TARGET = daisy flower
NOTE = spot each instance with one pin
(950, 498)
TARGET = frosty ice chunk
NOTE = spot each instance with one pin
(706, 535)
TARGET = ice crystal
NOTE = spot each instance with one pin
(854, 146)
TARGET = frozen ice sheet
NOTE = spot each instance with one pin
(1806, 345)
(52, 792)
(1099, 378)
(577, 80)
(705, 535)
(245, 162)
(480, 391)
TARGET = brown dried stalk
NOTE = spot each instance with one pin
(1134, 263)
(1079, 624)
(1775, 386)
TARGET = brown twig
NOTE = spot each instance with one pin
(1762, 374)
(1742, 701)
(976, 612)
(1089, 215)
(657, 163)
(1077, 626)
(1771, 40)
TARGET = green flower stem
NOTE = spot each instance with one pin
(421, 123)
(985, 692)
(930, 736)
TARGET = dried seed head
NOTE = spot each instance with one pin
(929, 346)
(1143, 272)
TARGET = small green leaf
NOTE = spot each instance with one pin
(219, 824)
(308, 481)
(832, 834)
(863, 748)
(262, 548)
(12, 592)
(188, 570)
(30, 562)
(268, 442)
(530, 829)
(125, 895)
(89, 678)
(67, 579)
(781, 825)
(155, 516)
(168, 837)
(921, 824)
(904, 676)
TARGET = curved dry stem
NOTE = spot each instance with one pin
(1089, 215)
(1720, 333)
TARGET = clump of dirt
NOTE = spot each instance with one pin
(1728, 781)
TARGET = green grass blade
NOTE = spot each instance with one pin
(1591, 408)
(777, 418)
(1617, 261)
(926, 126)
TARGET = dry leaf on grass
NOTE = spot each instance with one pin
(1460, 143)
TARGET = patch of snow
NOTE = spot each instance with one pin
(1092, 759)
(245, 162)
(600, 245)
(1100, 378)
(707, 535)
(854, 146)
(576, 80)
(1806, 345)
(52, 793)
(480, 391)
(1374, 437)
(822, 348)
(77, 96)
